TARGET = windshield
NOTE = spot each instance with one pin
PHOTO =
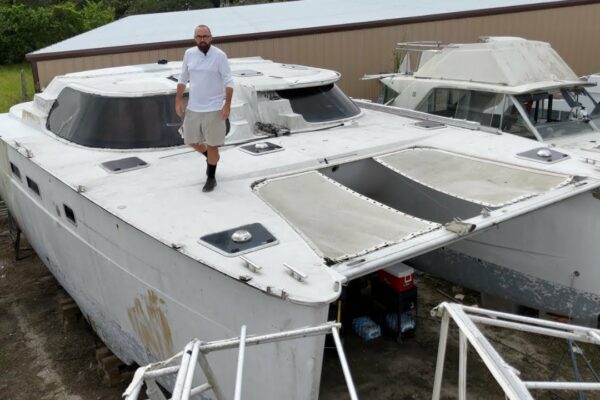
(562, 112)
(115, 122)
(320, 103)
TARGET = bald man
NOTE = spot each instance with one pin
(207, 70)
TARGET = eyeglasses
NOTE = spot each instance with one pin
(203, 37)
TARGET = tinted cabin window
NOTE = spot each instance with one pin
(513, 122)
(483, 107)
(321, 103)
(115, 122)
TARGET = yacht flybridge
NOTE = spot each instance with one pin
(511, 84)
(314, 190)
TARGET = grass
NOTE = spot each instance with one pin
(10, 85)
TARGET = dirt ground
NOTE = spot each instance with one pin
(40, 359)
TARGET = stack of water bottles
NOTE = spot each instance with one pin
(407, 322)
(366, 328)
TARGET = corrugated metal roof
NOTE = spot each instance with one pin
(263, 18)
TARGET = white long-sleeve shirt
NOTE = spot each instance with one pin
(208, 76)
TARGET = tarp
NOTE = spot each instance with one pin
(479, 181)
(337, 222)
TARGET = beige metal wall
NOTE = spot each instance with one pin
(572, 31)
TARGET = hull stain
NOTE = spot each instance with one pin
(149, 320)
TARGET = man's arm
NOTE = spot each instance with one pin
(228, 83)
(179, 103)
(184, 77)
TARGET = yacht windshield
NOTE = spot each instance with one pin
(321, 103)
(561, 112)
(115, 122)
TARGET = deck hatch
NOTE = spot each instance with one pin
(429, 125)
(246, 72)
(544, 155)
(124, 164)
(261, 148)
(337, 222)
(224, 242)
(477, 180)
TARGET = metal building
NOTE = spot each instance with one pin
(351, 36)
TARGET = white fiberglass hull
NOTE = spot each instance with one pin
(546, 260)
(147, 300)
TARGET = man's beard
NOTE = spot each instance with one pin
(204, 48)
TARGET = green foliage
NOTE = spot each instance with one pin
(10, 85)
(24, 29)
(95, 14)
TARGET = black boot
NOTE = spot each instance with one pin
(211, 182)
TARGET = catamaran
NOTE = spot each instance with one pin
(314, 190)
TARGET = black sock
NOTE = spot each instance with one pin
(211, 170)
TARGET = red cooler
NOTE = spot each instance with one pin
(399, 277)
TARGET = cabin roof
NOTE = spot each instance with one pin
(505, 62)
(148, 79)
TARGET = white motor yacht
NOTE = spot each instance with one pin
(313, 191)
(511, 84)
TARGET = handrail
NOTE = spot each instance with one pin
(195, 352)
(514, 388)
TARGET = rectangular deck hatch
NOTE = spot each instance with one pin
(246, 72)
(429, 125)
(544, 155)
(124, 164)
(252, 237)
(260, 148)
(337, 222)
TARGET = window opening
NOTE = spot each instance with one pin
(33, 186)
(115, 122)
(561, 112)
(476, 106)
(15, 170)
(320, 103)
(69, 214)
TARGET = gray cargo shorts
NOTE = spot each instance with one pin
(203, 128)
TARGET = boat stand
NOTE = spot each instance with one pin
(15, 235)
(507, 376)
(195, 353)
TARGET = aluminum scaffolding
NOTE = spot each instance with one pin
(466, 317)
(195, 353)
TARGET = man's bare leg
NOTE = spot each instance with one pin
(201, 148)
(213, 155)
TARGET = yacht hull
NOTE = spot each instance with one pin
(146, 300)
(546, 260)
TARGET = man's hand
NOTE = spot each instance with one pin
(225, 111)
(179, 107)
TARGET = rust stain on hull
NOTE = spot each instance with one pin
(149, 321)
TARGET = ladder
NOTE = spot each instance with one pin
(184, 364)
